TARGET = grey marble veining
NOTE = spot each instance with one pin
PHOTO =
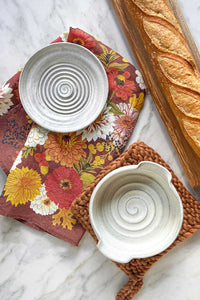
(37, 266)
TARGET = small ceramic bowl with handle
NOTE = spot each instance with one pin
(135, 212)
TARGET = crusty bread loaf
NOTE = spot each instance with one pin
(173, 63)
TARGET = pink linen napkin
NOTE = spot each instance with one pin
(47, 170)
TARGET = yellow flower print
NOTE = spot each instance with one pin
(44, 169)
(87, 178)
(108, 146)
(26, 151)
(124, 59)
(64, 218)
(108, 59)
(48, 158)
(137, 102)
(92, 149)
(98, 161)
(107, 56)
(99, 147)
(29, 119)
(22, 185)
(110, 157)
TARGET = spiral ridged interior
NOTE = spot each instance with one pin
(64, 88)
(135, 212)
(136, 208)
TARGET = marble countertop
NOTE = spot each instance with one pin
(35, 265)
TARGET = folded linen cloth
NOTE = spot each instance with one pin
(47, 170)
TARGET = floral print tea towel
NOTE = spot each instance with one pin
(48, 170)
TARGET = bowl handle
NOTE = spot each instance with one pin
(162, 171)
(101, 246)
(106, 250)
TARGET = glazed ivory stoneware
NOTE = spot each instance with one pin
(135, 212)
(63, 87)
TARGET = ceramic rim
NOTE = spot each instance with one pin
(63, 87)
(135, 212)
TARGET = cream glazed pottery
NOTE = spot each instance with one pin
(135, 212)
(63, 87)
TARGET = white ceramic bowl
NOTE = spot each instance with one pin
(135, 212)
(63, 87)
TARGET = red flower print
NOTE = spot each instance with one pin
(63, 185)
(80, 37)
(41, 159)
(43, 164)
(120, 84)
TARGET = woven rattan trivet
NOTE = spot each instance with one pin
(136, 268)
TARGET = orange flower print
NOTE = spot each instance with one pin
(66, 149)
(120, 84)
(80, 37)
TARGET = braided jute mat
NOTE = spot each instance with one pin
(136, 268)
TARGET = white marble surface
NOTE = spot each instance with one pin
(35, 265)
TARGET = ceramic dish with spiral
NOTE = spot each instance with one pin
(135, 212)
(63, 87)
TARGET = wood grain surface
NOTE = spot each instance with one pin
(188, 158)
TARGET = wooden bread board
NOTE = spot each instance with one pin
(188, 158)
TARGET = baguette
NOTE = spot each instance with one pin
(172, 62)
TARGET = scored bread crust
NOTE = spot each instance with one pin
(173, 63)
